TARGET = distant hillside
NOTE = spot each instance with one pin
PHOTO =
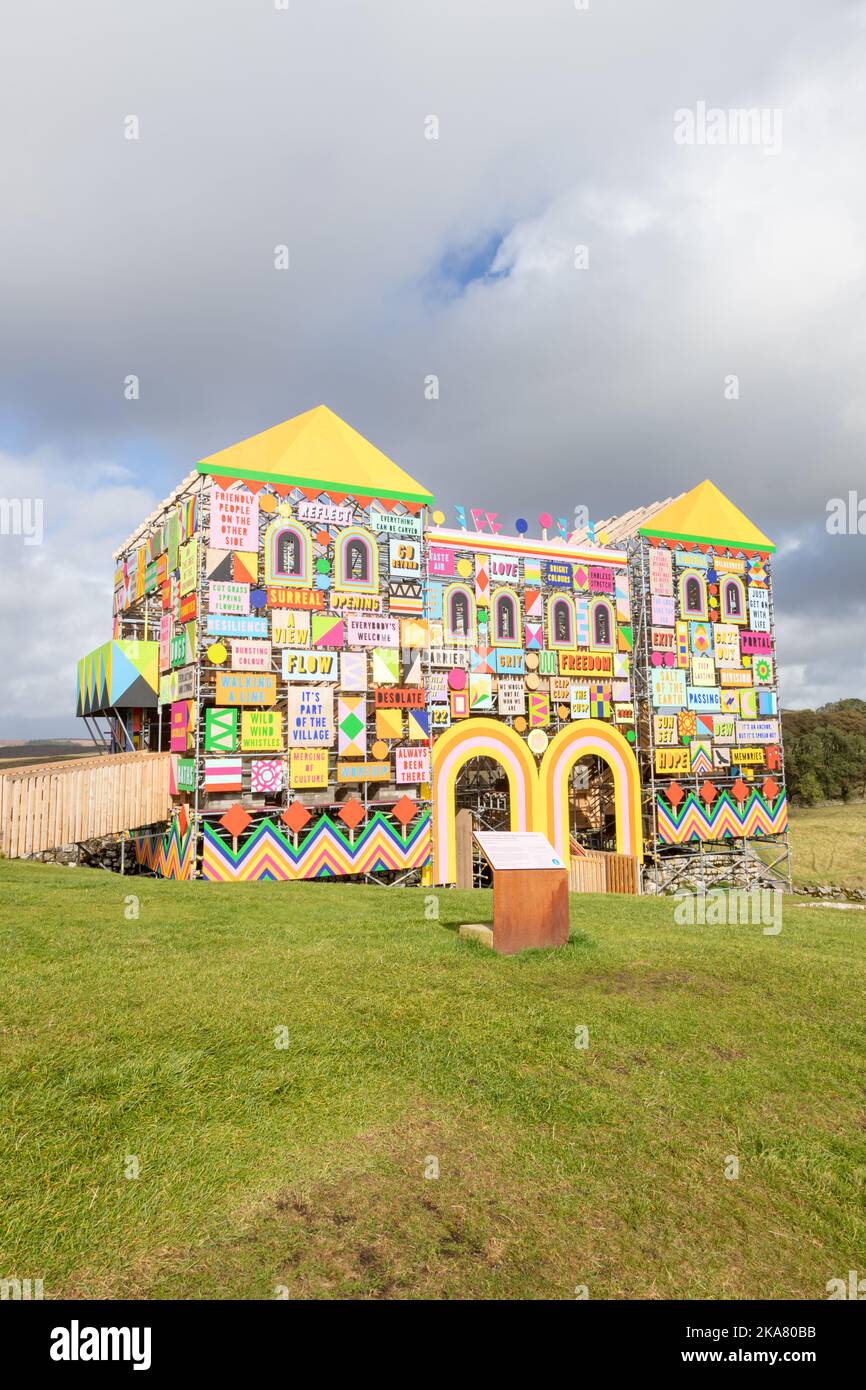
(14, 753)
(825, 752)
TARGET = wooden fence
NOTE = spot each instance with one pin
(51, 804)
(598, 872)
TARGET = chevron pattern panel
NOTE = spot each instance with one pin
(726, 818)
(324, 852)
(168, 855)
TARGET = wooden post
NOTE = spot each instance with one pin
(463, 838)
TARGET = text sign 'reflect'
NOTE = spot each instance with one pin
(517, 849)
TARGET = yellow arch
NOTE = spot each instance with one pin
(579, 740)
(479, 738)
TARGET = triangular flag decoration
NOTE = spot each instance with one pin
(389, 723)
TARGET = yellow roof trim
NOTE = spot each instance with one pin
(707, 516)
(316, 449)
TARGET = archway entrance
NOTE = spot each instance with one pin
(592, 804)
(481, 802)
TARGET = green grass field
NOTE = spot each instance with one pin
(828, 844)
(303, 1168)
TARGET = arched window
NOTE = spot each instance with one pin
(733, 599)
(506, 619)
(459, 610)
(288, 553)
(356, 560)
(602, 624)
(560, 621)
(693, 595)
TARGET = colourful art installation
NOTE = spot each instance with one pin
(331, 666)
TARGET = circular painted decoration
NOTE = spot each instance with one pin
(258, 598)
(379, 750)
(714, 603)
(285, 509)
(563, 711)
(669, 658)
(531, 661)
(521, 526)
(267, 503)
(545, 519)
(532, 682)
(323, 538)
(217, 653)
(537, 740)
(656, 659)
(746, 660)
(323, 565)
(464, 568)
(602, 537)
(323, 581)
(457, 678)
(762, 668)
(438, 518)
(629, 733)
(520, 724)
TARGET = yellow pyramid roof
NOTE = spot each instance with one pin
(705, 515)
(316, 449)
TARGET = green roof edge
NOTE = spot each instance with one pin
(767, 547)
(259, 475)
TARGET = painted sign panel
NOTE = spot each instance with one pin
(580, 702)
(300, 664)
(366, 630)
(234, 520)
(311, 716)
(404, 556)
(394, 696)
(290, 627)
(504, 569)
(245, 688)
(601, 579)
(672, 762)
(308, 767)
(340, 602)
(757, 730)
(661, 572)
(511, 696)
(226, 625)
(411, 764)
(668, 687)
(703, 698)
(283, 596)
(587, 664)
(752, 643)
(363, 772)
(188, 558)
(560, 574)
(663, 610)
(325, 514)
(251, 656)
(440, 562)
(225, 597)
(394, 525)
(261, 730)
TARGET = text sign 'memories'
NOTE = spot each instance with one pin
(517, 849)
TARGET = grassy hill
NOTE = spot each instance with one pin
(303, 1167)
(828, 844)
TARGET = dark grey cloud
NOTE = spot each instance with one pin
(409, 257)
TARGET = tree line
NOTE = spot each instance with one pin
(825, 752)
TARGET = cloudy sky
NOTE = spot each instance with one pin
(599, 377)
